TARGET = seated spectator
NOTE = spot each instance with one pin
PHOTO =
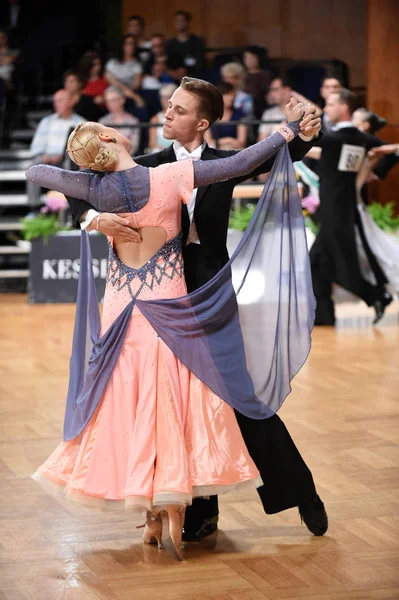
(186, 53)
(279, 94)
(136, 28)
(125, 71)
(83, 105)
(91, 69)
(158, 76)
(49, 142)
(117, 115)
(234, 73)
(257, 81)
(329, 85)
(8, 56)
(228, 137)
(156, 139)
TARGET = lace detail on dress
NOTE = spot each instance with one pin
(167, 262)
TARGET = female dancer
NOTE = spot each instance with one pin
(145, 430)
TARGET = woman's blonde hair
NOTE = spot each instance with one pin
(86, 149)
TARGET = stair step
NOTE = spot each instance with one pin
(12, 175)
(13, 250)
(22, 134)
(11, 224)
(14, 273)
(15, 154)
(13, 199)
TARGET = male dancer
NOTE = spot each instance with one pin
(334, 256)
(194, 106)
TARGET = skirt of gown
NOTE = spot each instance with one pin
(159, 435)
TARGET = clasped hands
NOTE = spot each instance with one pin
(310, 124)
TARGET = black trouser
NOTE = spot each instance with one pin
(287, 480)
(324, 274)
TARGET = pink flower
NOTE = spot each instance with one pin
(55, 201)
(44, 210)
(310, 203)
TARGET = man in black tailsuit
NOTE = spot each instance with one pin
(194, 106)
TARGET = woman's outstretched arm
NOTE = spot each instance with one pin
(245, 161)
(71, 183)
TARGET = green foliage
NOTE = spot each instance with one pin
(311, 225)
(40, 226)
(239, 219)
(384, 216)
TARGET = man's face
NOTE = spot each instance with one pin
(72, 84)
(329, 86)
(134, 28)
(182, 121)
(334, 109)
(181, 23)
(157, 46)
(62, 103)
(277, 93)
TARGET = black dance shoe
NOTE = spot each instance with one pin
(208, 527)
(380, 306)
(314, 515)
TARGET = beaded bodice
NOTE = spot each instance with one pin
(166, 263)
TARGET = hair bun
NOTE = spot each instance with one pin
(105, 160)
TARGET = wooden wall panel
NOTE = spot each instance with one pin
(383, 82)
(289, 28)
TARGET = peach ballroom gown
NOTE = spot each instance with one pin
(153, 433)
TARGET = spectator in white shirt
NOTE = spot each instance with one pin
(125, 71)
(49, 142)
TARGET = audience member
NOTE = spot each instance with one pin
(158, 76)
(49, 142)
(156, 139)
(228, 137)
(8, 56)
(125, 71)
(329, 85)
(83, 105)
(279, 94)
(117, 115)
(136, 28)
(234, 73)
(158, 51)
(91, 69)
(257, 81)
(186, 53)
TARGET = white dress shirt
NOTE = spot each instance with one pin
(183, 154)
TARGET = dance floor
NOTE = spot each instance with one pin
(343, 414)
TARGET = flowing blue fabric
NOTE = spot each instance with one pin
(245, 333)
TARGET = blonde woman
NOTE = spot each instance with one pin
(140, 427)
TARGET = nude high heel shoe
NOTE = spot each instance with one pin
(172, 526)
(153, 530)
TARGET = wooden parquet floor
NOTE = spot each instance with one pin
(343, 414)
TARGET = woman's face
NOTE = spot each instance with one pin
(95, 67)
(72, 84)
(129, 47)
(228, 100)
(251, 61)
(114, 102)
(359, 121)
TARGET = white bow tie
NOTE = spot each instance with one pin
(182, 154)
